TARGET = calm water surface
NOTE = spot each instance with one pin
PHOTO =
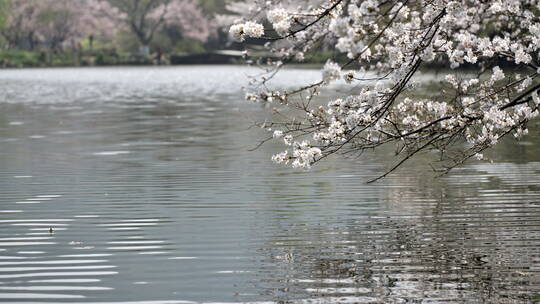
(145, 177)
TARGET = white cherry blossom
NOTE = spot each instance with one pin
(475, 104)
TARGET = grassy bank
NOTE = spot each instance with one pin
(107, 57)
(20, 59)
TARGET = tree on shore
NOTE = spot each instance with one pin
(141, 18)
(4, 13)
(54, 23)
(19, 28)
(145, 18)
(379, 47)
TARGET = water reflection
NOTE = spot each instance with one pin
(136, 184)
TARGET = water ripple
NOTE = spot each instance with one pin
(140, 186)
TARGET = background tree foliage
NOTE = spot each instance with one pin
(134, 26)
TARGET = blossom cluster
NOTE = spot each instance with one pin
(249, 29)
(303, 155)
(280, 20)
(331, 72)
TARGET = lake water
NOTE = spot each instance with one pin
(145, 177)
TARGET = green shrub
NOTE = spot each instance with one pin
(16, 58)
